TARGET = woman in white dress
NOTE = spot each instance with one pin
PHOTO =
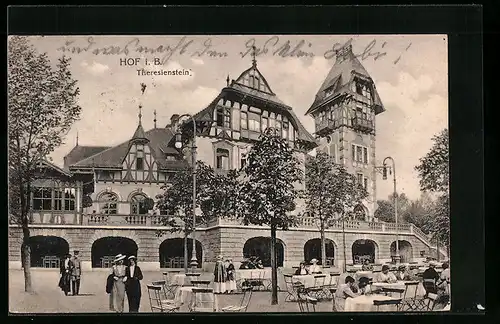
(231, 276)
(118, 272)
(220, 276)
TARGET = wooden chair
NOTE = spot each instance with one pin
(379, 303)
(411, 301)
(332, 283)
(430, 286)
(157, 302)
(291, 294)
(431, 301)
(164, 291)
(306, 303)
(200, 304)
(245, 301)
(317, 289)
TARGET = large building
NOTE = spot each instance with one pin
(100, 202)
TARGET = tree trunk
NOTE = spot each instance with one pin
(274, 268)
(437, 249)
(25, 259)
(186, 257)
(323, 243)
(343, 244)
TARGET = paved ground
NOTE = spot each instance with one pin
(48, 297)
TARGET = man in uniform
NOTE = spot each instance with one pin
(76, 273)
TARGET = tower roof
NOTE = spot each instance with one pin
(340, 77)
(139, 134)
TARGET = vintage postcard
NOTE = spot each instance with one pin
(269, 173)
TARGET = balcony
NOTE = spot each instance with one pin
(325, 126)
(362, 124)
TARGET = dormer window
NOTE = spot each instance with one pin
(329, 91)
(170, 157)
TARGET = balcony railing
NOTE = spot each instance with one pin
(362, 124)
(325, 125)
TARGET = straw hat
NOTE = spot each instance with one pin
(132, 257)
(119, 257)
(314, 261)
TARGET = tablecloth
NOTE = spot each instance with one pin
(401, 285)
(366, 274)
(309, 280)
(184, 297)
(364, 303)
(253, 274)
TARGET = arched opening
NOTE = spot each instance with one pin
(138, 205)
(47, 251)
(359, 212)
(363, 250)
(312, 250)
(172, 253)
(261, 247)
(405, 250)
(105, 249)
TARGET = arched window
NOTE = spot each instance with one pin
(138, 205)
(359, 212)
(108, 203)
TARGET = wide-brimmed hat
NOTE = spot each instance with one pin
(314, 260)
(402, 267)
(132, 257)
(432, 263)
(220, 257)
(119, 257)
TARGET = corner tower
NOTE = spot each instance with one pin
(344, 111)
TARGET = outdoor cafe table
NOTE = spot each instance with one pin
(264, 274)
(366, 274)
(181, 280)
(401, 285)
(308, 280)
(364, 303)
(183, 298)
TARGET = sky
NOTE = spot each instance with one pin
(410, 73)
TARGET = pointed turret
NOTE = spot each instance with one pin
(139, 134)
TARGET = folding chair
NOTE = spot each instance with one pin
(306, 303)
(245, 301)
(157, 302)
(317, 289)
(379, 303)
(170, 285)
(411, 301)
(332, 283)
(164, 291)
(431, 301)
(203, 300)
(291, 295)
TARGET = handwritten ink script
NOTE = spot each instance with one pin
(274, 46)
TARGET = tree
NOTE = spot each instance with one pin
(433, 171)
(385, 208)
(268, 191)
(324, 193)
(42, 106)
(419, 211)
(216, 196)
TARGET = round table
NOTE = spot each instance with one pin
(183, 298)
(310, 281)
(364, 303)
(401, 285)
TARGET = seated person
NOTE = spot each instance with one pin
(259, 265)
(402, 273)
(364, 286)
(302, 270)
(444, 280)
(247, 264)
(430, 277)
(314, 267)
(343, 292)
(386, 276)
(367, 266)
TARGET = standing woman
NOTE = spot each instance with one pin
(133, 285)
(220, 276)
(119, 277)
(65, 269)
(231, 276)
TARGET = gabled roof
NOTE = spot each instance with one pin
(340, 77)
(51, 165)
(79, 153)
(113, 157)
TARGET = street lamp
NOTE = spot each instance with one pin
(384, 168)
(178, 145)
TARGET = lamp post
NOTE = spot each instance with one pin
(178, 145)
(384, 168)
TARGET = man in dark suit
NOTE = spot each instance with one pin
(76, 273)
(65, 270)
(133, 274)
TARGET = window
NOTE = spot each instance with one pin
(69, 199)
(170, 157)
(138, 205)
(42, 199)
(264, 124)
(244, 120)
(223, 117)
(329, 91)
(359, 88)
(254, 122)
(139, 163)
(243, 160)
(359, 153)
(220, 116)
(108, 203)
(360, 178)
(222, 159)
(285, 130)
(365, 184)
(58, 199)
